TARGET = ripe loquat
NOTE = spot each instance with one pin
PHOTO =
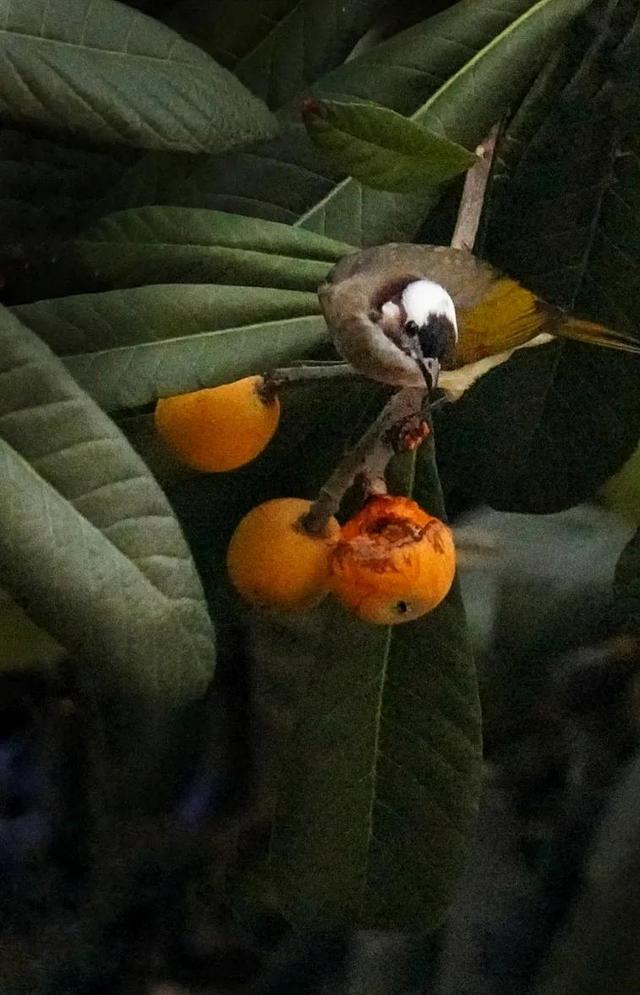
(393, 562)
(274, 563)
(218, 428)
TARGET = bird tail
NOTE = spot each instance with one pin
(589, 331)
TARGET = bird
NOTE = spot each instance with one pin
(400, 313)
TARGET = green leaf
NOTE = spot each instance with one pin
(557, 158)
(383, 149)
(228, 30)
(543, 431)
(610, 289)
(23, 645)
(103, 71)
(475, 92)
(456, 73)
(127, 348)
(621, 492)
(548, 428)
(89, 545)
(45, 187)
(163, 244)
(301, 39)
(375, 770)
(538, 104)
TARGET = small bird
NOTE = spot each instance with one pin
(400, 312)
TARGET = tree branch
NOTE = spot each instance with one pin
(399, 427)
(473, 195)
(275, 379)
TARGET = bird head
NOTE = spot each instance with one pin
(430, 316)
(383, 311)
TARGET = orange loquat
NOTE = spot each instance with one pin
(218, 428)
(393, 561)
(274, 563)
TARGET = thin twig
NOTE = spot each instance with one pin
(473, 194)
(276, 379)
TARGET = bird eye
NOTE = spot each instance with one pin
(411, 328)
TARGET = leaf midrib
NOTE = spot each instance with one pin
(411, 479)
(480, 54)
(374, 769)
(115, 550)
(83, 47)
(418, 154)
(199, 246)
(267, 39)
(157, 343)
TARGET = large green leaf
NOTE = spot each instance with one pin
(45, 188)
(381, 148)
(610, 287)
(228, 29)
(88, 323)
(101, 70)
(277, 47)
(557, 156)
(457, 73)
(375, 761)
(164, 244)
(545, 430)
(539, 102)
(621, 492)
(128, 347)
(89, 547)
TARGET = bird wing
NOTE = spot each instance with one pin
(507, 316)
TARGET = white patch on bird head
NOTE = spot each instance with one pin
(423, 298)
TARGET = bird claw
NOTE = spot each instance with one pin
(406, 435)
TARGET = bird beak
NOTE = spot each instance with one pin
(430, 369)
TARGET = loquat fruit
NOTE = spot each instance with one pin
(393, 561)
(218, 428)
(274, 563)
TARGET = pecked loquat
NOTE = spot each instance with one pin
(393, 561)
(219, 428)
(271, 560)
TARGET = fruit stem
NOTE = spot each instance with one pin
(399, 426)
(305, 371)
